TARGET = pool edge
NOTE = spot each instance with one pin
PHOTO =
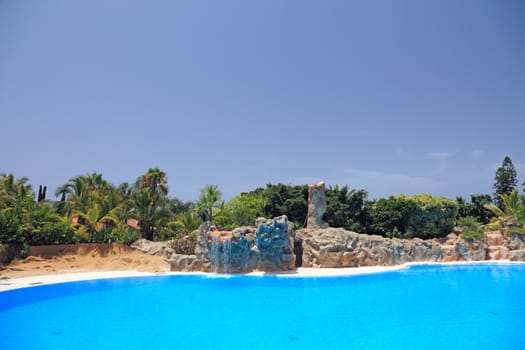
(33, 281)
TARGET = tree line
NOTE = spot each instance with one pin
(88, 208)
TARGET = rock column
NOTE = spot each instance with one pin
(316, 206)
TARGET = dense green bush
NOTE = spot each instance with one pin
(347, 208)
(434, 217)
(11, 227)
(421, 215)
(246, 208)
(475, 208)
(286, 200)
(45, 226)
(390, 216)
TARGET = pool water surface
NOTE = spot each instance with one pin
(475, 306)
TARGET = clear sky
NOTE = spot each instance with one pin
(389, 96)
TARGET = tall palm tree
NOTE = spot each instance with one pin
(210, 198)
(74, 194)
(155, 181)
(150, 212)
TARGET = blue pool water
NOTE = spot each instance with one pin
(424, 307)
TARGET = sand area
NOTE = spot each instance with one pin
(82, 258)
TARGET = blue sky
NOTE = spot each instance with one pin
(389, 96)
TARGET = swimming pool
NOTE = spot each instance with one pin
(480, 306)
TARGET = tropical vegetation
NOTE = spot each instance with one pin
(88, 208)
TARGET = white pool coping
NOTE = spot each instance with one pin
(25, 282)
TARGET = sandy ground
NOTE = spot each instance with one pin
(85, 260)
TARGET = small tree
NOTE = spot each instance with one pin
(506, 181)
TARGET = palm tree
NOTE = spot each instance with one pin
(187, 222)
(74, 195)
(511, 208)
(10, 188)
(155, 181)
(209, 199)
(150, 212)
(95, 219)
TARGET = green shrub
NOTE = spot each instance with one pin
(288, 200)
(11, 227)
(246, 208)
(471, 228)
(390, 216)
(346, 208)
(433, 217)
(421, 215)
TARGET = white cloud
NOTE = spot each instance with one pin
(439, 156)
(440, 159)
(477, 153)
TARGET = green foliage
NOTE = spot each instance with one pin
(209, 201)
(434, 216)
(45, 226)
(505, 181)
(510, 205)
(390, 216)
(287, 200)
(513, 208)
(16, 202)
(122, 233)
(471, 227)
(422, 216)
(223, 218)
(475, 208)
(247, 207)
(347, 208)
(11, 227)
(90, 209)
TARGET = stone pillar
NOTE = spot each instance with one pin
(316, 206)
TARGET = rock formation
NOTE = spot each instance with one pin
(178, 262)
(273, 245)
(336, 247)
(266, 247)
(275, 242)
(316, 206)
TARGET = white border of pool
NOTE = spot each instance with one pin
(25, 282)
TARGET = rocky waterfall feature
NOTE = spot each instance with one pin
(273, 245)
(268, 246)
